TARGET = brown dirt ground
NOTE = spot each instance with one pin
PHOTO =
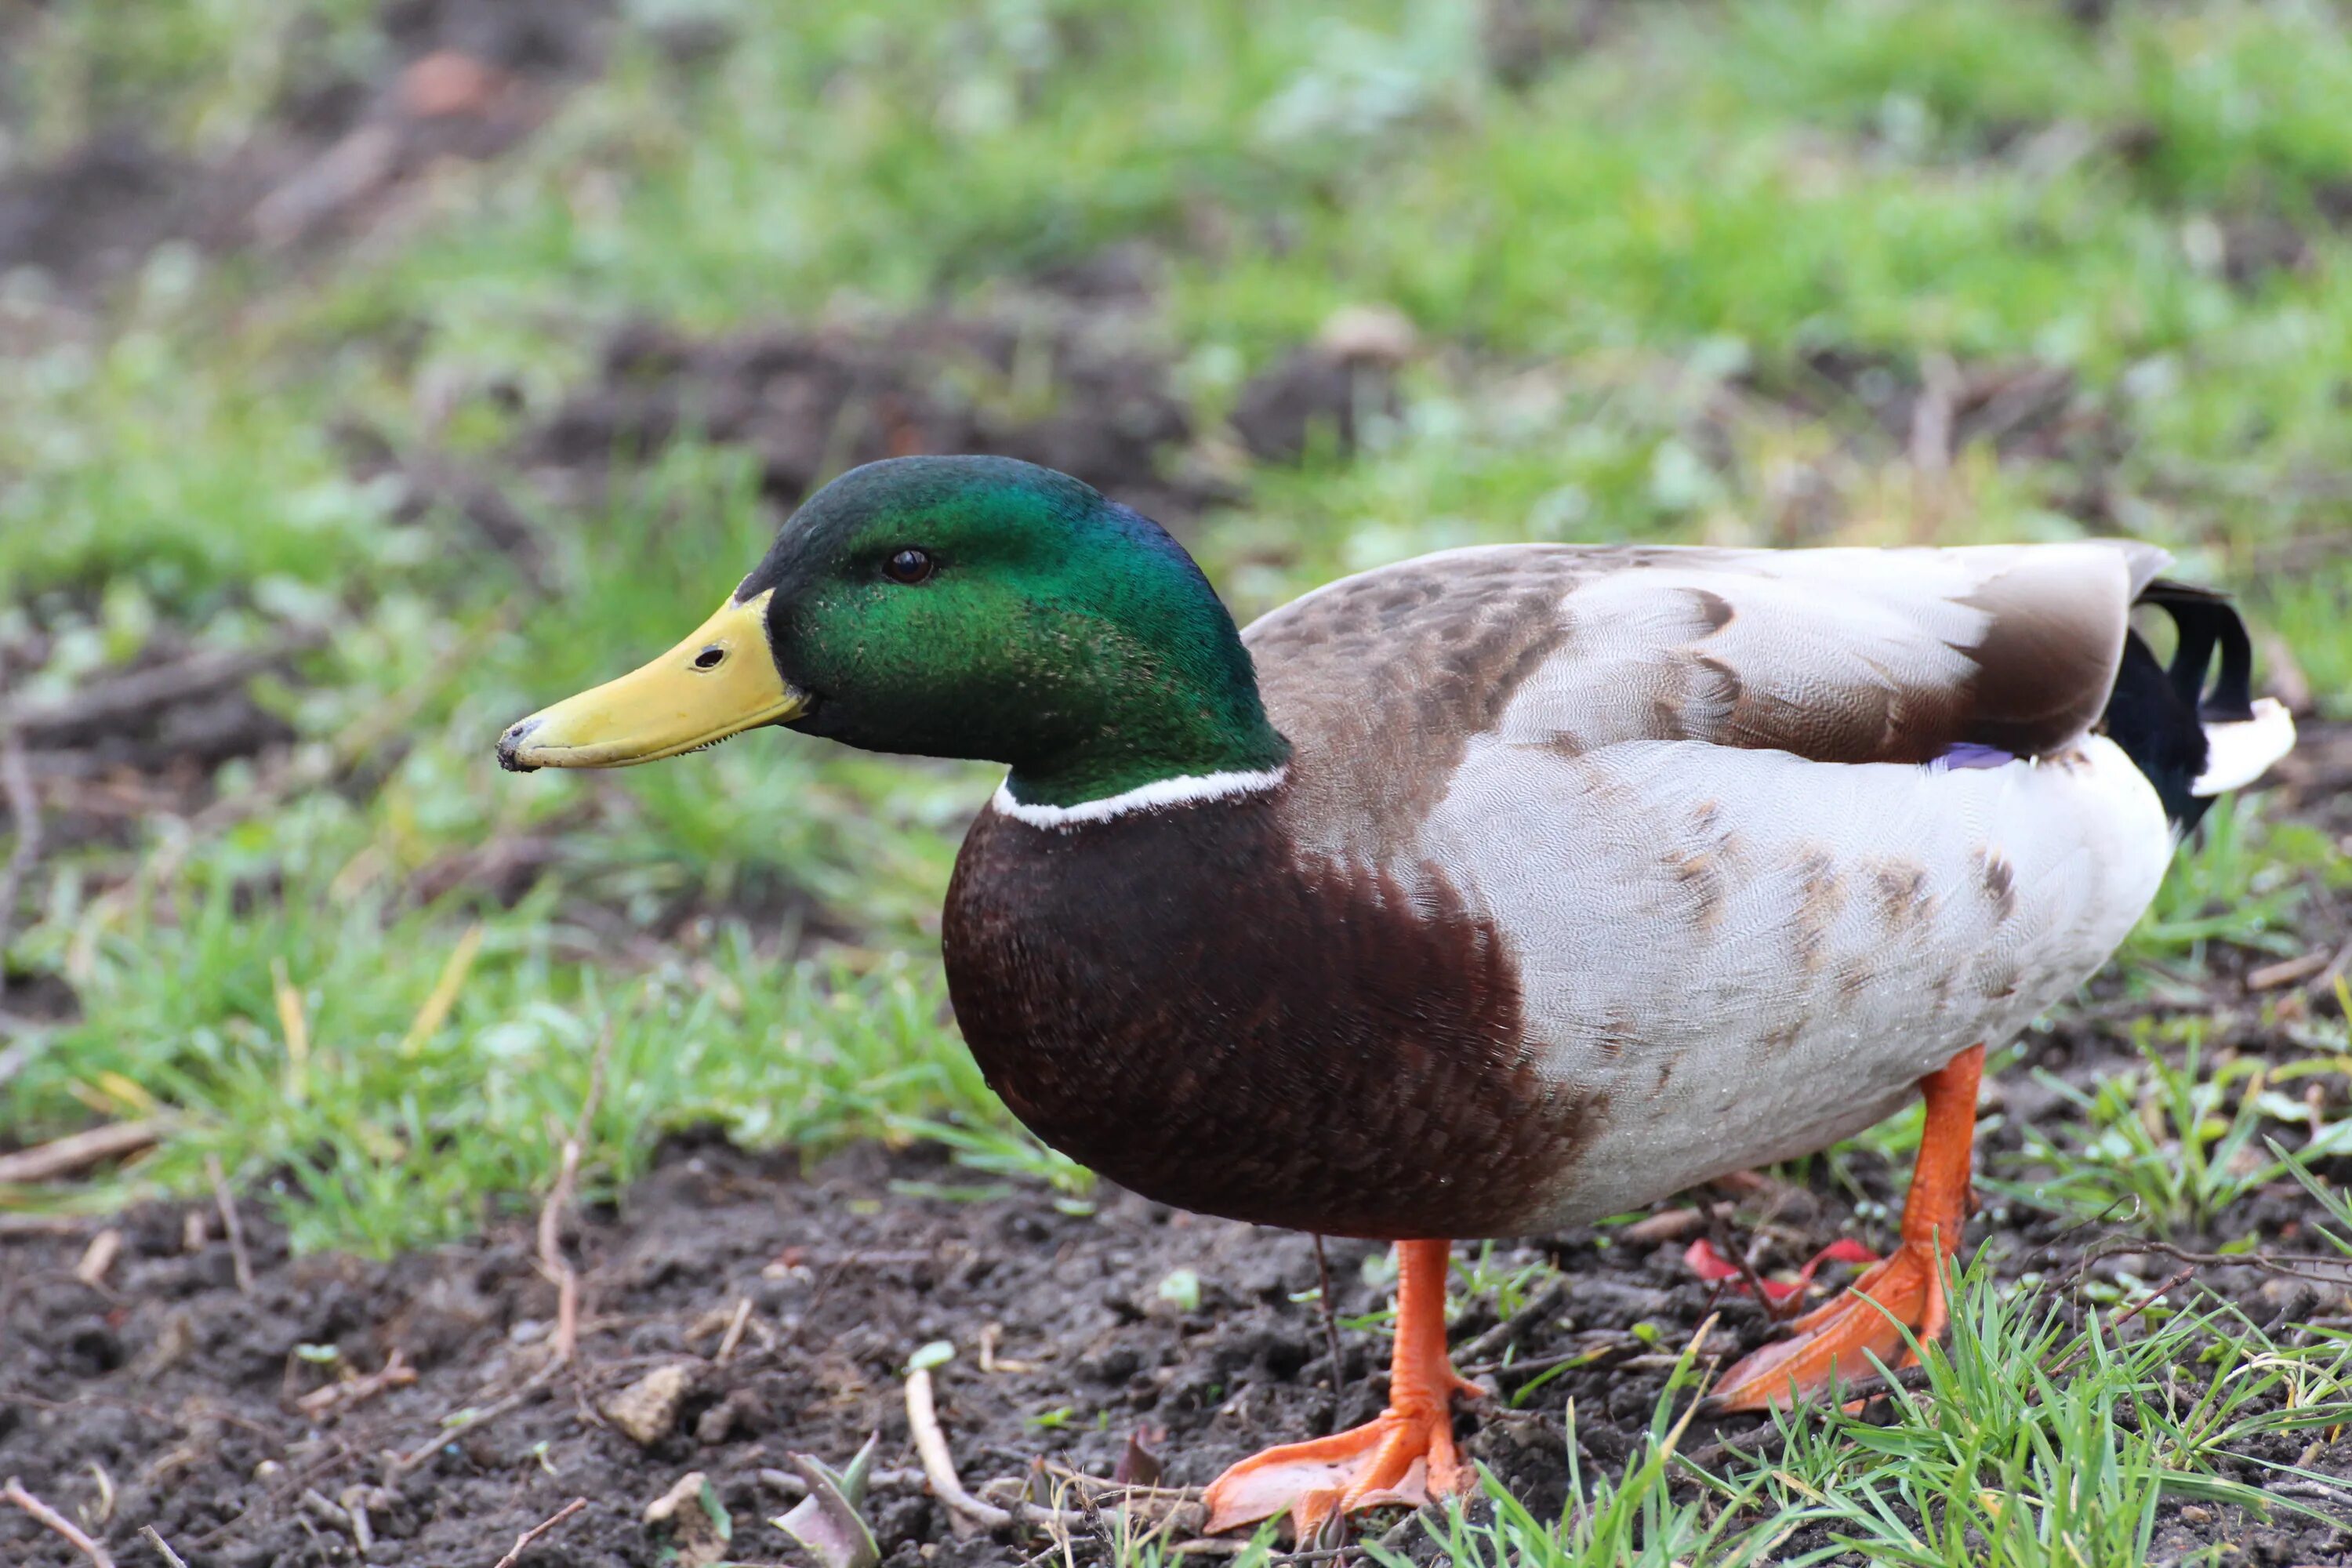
(466, 81)
(170, 1391)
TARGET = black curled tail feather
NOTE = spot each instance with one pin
(2206, 623)
(2157, 715)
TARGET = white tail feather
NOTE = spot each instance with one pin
(2240, 751)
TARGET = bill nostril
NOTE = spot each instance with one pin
(511, 745)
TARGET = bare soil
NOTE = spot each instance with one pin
(163, 1394)
(465, 81)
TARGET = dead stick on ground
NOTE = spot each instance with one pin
(15, 1493)
(523, 1542)
(1330, 1322)
(1719, 1232)
(24, 811)
(553, 1264)
(2324, 1269)
(735, 1327)
(2120, 1319)
(162, 1548)
(99, 1258)
(2321, 983)
(459, 1422)
(240, 1259)
(395, 1372)
(125, 697)
(1499, 1338)
(938, 1467)
(46, 1161)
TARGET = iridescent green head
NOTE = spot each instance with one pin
(952, 606)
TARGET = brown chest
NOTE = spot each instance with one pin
(1173, 999)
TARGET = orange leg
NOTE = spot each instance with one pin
(1838, 1339)
(1404, 1456)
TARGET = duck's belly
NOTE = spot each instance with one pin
(1738, 957)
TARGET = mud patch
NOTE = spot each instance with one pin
(465, 79)
(1076, 1328)
(145, 738)
(2027, 411)
(1071, 388)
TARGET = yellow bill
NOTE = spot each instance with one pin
(719, 681)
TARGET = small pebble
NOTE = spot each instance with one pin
(648, 1408)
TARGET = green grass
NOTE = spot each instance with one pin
(2169, 1145)
(2034, 1442)
(2037, 1443)
(1619, 263)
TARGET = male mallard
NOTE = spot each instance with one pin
(1495, 891)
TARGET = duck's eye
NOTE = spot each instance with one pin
(908, 566)
(710, 659)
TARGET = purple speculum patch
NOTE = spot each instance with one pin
(1969, 755)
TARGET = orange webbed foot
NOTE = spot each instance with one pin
(1404, 1456)
(1836, 1341)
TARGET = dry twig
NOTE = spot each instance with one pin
(1595, 1347)
(1720, 1231)
(240, 1259)
(2120, 1319)
(63, 1157)
(1503, 1334)
(24, 811)
(395, 1372)
(553, 1266)
(108, 703)
(162, 1548)
(42, 1512)
(2318, 1267)
(459, 1422)
(939, 1468)
(97, 1257)
(1330, 1314)
(40, 1224)
(2321, 983)
(878, 1480)
(523, 1542)
(2286, 971)
(734, 1335)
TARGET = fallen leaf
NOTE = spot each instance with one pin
(1704, 1260)
(1140, 1467)
(826, 1522)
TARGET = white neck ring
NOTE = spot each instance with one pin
(1160, 794)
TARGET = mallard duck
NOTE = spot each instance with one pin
(1499, 889)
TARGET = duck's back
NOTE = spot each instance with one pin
(1766, 836)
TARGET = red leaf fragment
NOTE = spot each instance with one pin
(1140, 1467)
(1704, 1260)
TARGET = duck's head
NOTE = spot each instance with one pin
(950, 606)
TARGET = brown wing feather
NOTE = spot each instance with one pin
(1384, 680)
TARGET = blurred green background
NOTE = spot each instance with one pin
(371, 375)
